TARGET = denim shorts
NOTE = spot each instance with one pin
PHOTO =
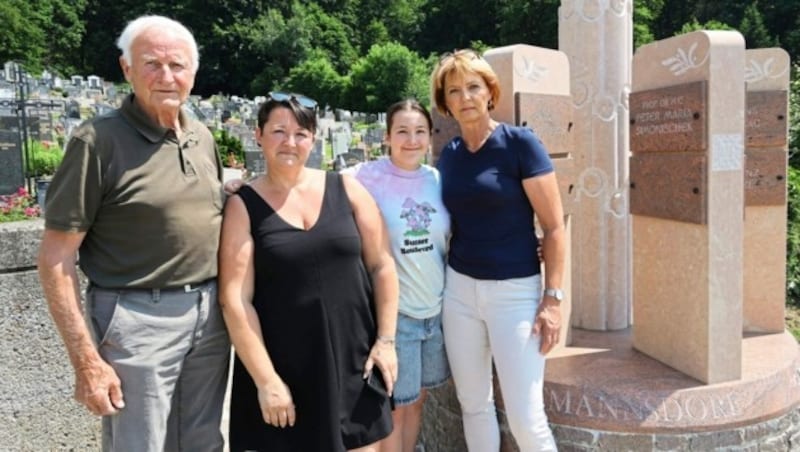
(421, 357)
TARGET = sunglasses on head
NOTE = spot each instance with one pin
(299, 99)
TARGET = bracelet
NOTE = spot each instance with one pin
(385, 339)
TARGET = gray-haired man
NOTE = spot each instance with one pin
(139, 196)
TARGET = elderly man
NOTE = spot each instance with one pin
(139, 196)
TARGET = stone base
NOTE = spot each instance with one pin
(601, 394)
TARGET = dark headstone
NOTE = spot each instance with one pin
(11, 172)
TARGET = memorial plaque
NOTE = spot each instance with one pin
(766, 124)
(11, 173)
(765, 177)
(670, 186)
(671, 119)
(550, 117)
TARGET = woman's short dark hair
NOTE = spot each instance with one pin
(306, 117)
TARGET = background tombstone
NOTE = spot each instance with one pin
(766, 129)
(11, 171)
(340, 141)
(254, 162)
(315, 158)
(597, 37)
(687, 201)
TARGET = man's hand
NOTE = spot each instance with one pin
(98, 387)
(547, 323)
(232, 186)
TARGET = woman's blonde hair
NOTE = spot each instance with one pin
(462, 62)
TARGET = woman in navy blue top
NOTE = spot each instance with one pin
(497, 306)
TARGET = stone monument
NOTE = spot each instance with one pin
(687, 202)
(688, 210)
(766, 127)
(597, 38)
(684, 378)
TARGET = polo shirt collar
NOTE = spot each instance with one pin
(150, 129)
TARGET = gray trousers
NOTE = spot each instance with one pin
(171, 350)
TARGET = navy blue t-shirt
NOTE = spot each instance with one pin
(493, 235)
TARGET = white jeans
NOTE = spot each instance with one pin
(485, 319)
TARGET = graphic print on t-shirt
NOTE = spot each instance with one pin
(418, 218)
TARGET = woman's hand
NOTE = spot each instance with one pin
(277, 407)
(383, 355)
(547, 324)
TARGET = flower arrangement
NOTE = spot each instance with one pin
(18, 206)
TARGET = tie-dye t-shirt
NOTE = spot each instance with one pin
(419, 226)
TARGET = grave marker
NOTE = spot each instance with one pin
(766, 130)
(687, 202)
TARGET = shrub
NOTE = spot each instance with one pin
(229, 148)
(45, 158)
(793, 238)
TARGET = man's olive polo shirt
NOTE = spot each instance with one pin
(150, 203)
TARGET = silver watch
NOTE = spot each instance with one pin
(558, 294)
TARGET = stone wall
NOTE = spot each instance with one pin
(37, 410)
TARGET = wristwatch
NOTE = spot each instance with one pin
(558, 294)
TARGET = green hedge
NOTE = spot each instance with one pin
(793, 239)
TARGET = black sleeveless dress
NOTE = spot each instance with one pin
(314, 300)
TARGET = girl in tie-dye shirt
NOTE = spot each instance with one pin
(408, 194)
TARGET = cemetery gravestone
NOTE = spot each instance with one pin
(11, 171)
(315, 159)
(766, 138)
(687, 132)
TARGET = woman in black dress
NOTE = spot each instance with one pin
(309, 293)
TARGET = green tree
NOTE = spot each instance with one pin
(387, 73)
(694, 25)
(782, 19)
(645, 13)
(329, 34)
(752, 27)
(453, 24)
(63, 21)
(21, 37)
(674, 14)
(317, 78)
(527, 22)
